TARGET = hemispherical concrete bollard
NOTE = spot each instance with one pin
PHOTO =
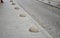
(23, 15)
(33, 29)
(13, 4)
(17, 8)
(11, 0)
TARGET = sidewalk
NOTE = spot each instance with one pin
(12, 25)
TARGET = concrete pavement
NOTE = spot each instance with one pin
(48, 17)
(12, 25)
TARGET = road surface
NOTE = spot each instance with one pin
(48, 17)
(15, 23)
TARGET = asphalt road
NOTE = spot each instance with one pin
(47, 16)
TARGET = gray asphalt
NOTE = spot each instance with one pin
(48, 17)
